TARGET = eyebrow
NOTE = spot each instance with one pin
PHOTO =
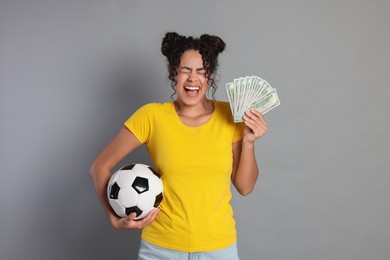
(188, 68)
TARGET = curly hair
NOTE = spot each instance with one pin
(209, 46)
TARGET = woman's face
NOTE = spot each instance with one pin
(191, 80)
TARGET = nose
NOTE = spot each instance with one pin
(192, 76)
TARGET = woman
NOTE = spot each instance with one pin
(197, 148)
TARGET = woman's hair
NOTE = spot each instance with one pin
(209, 46)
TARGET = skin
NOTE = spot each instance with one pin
(194, 109)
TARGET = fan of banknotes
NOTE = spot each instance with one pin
(251, 92)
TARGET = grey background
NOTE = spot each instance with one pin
(72, 71)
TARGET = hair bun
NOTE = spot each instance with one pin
(216, 43)
(169, 43)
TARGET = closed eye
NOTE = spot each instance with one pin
(185, 70)
(201, 71)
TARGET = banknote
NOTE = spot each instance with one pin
(250, 92)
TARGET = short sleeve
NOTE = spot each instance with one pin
(141, 123)
(238, 132)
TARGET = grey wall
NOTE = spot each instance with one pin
(72, 71)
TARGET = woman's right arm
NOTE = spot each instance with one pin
(123, 143)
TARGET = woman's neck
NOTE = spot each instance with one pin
(195, 115)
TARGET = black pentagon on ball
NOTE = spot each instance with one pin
(154, 172)
(133, 209)
(140, 185)
(114, 190)
(159, 198)
(127, 167)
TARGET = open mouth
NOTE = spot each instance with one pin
(192, 89)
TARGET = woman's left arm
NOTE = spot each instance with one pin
(245, 169)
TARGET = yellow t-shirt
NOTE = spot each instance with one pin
(196, 166)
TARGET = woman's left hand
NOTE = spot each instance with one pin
(256, 125)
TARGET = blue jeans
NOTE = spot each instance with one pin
(148, 251)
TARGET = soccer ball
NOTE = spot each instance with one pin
(135, 188)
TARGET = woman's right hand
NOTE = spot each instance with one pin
(129, 222)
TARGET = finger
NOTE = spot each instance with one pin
(131, 217)
(257, 128)
(152, 215)
(133, 222)
(257, 118)
(130, 220)
(257, 114)
(148, 219)
(253, 122)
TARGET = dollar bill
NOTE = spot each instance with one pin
(250, 92)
